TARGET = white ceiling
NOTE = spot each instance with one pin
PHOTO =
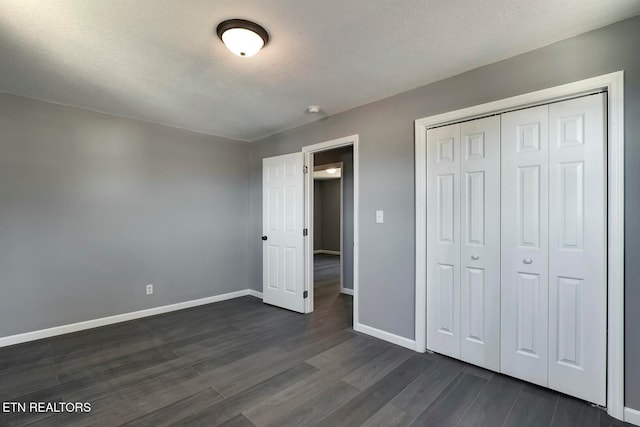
(160, 60)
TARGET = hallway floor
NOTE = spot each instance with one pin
(326, 270)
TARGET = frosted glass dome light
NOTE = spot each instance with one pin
(243, 38)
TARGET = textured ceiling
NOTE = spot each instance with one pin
(160, 61)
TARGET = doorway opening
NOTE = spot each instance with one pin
(288, 232)
(331, 219)
(333, 228)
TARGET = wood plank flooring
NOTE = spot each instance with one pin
(326, 269)
(244, 363)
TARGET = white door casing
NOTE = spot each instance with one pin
(443, 237)
(577, 248)
(524, 247)
(282, 218)
(308, 153)
(480, 242)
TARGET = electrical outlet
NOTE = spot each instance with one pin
(149, 289)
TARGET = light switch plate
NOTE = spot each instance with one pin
(379, 217)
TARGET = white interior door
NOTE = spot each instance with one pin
(577, 242)
(480, 242)
(282, 219)
(443, 240)
(524, 281)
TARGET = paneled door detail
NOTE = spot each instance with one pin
(577, 258)
(517, 244)
(524, 247)
(282, 219)
(443, 240)
(480, 242)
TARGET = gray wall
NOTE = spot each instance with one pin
(331, 215)
(326, 224)
(93, 207)
(386, 129)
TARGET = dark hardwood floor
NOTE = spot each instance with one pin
(326, 269)
(244, 363)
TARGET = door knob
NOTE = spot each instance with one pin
(264, 237)
(475, 257)
(527, 261)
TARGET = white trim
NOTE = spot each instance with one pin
(614, 84)
(308, 152)
(615, 217)
(346, 291)
(342, 228)
(421, 238)
(118, 318)
(325, 251)
(255, 293)
(309, 188)
(632, 416)
(386, 336)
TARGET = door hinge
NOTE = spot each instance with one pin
(305, 231)
(305, 169)
(305, 294)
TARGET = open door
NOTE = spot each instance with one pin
(282, 225)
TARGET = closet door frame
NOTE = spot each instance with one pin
(613, 83)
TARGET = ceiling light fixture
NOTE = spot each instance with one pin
(331, 170)
(242, 37)
(313, 109)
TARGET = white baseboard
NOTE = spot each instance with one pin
(326, 252)
(632, 416)
(387, 336)
(255, 293)
(346, 291)
(95, 323)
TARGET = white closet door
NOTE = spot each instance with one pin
(577, 243)
(480, 242)
(524, 318)
(443, 240)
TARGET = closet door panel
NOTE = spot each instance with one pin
(480, 242)
(577, 243)
(524, 244)
(443, 240)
